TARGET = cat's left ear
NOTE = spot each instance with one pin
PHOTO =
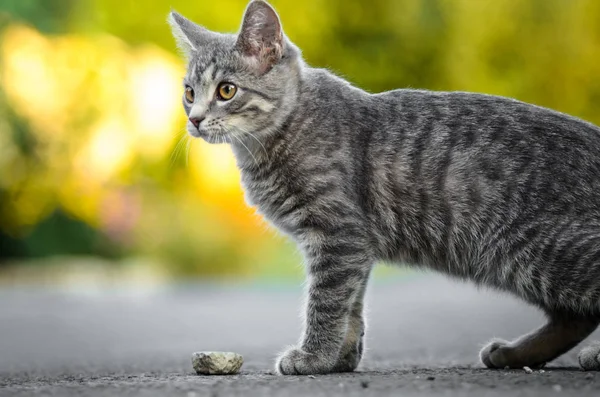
(190, 37)
(261, 37)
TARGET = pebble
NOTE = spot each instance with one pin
(217, 363)
(528, 370)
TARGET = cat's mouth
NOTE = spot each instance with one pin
(210, 135)
(196, 133)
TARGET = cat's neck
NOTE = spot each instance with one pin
(260, 151)
(254, 151)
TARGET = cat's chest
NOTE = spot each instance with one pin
(275, 194)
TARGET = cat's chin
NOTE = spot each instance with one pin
(209, 137)
(198, 134)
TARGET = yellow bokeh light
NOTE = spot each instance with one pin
(214, 169)
(155, 93)
(109, 150)
(28, 78)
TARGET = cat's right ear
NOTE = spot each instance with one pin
(261, 37)
(189, 36)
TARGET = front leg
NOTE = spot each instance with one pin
(354, 344)
(337, 272)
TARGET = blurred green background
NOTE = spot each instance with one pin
(98, 179)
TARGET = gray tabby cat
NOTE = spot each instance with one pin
(478, 187)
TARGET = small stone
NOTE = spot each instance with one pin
(312, 376)
(528, 370)
(217, 363)
(364, 384)
(542, 371)
(431, 378)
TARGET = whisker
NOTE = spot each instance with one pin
(257, 140)
(232, 133)
(187, 152)
(242, 143)
(178, 149)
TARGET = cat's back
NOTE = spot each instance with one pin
(500, 139)
(508, 117)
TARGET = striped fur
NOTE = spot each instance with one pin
(479, 187)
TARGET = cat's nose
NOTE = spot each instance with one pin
(196, 121)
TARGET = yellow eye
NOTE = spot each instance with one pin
(226, 91)
(189, 94)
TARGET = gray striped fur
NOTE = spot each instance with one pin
(479, 187)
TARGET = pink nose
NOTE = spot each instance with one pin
(196, 121)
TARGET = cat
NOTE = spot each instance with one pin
(482, 188)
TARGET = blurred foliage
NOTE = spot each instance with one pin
(94, 159)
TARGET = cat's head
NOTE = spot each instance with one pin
(238, 85)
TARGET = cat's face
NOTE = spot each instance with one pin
(236, 85)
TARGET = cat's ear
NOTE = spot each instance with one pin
(261, 37)
(189, 36)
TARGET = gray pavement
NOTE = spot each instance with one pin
(423, 337)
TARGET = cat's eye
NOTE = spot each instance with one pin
(226, 91)
(189, 94)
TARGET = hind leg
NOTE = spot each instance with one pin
(558, 336)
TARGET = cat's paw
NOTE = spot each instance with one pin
(491, 355)
(589, 358)
(347, 363)
(501, 354)
(298, 362)
(496, 354)
(349, 360)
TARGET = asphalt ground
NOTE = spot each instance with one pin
(423, 338)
